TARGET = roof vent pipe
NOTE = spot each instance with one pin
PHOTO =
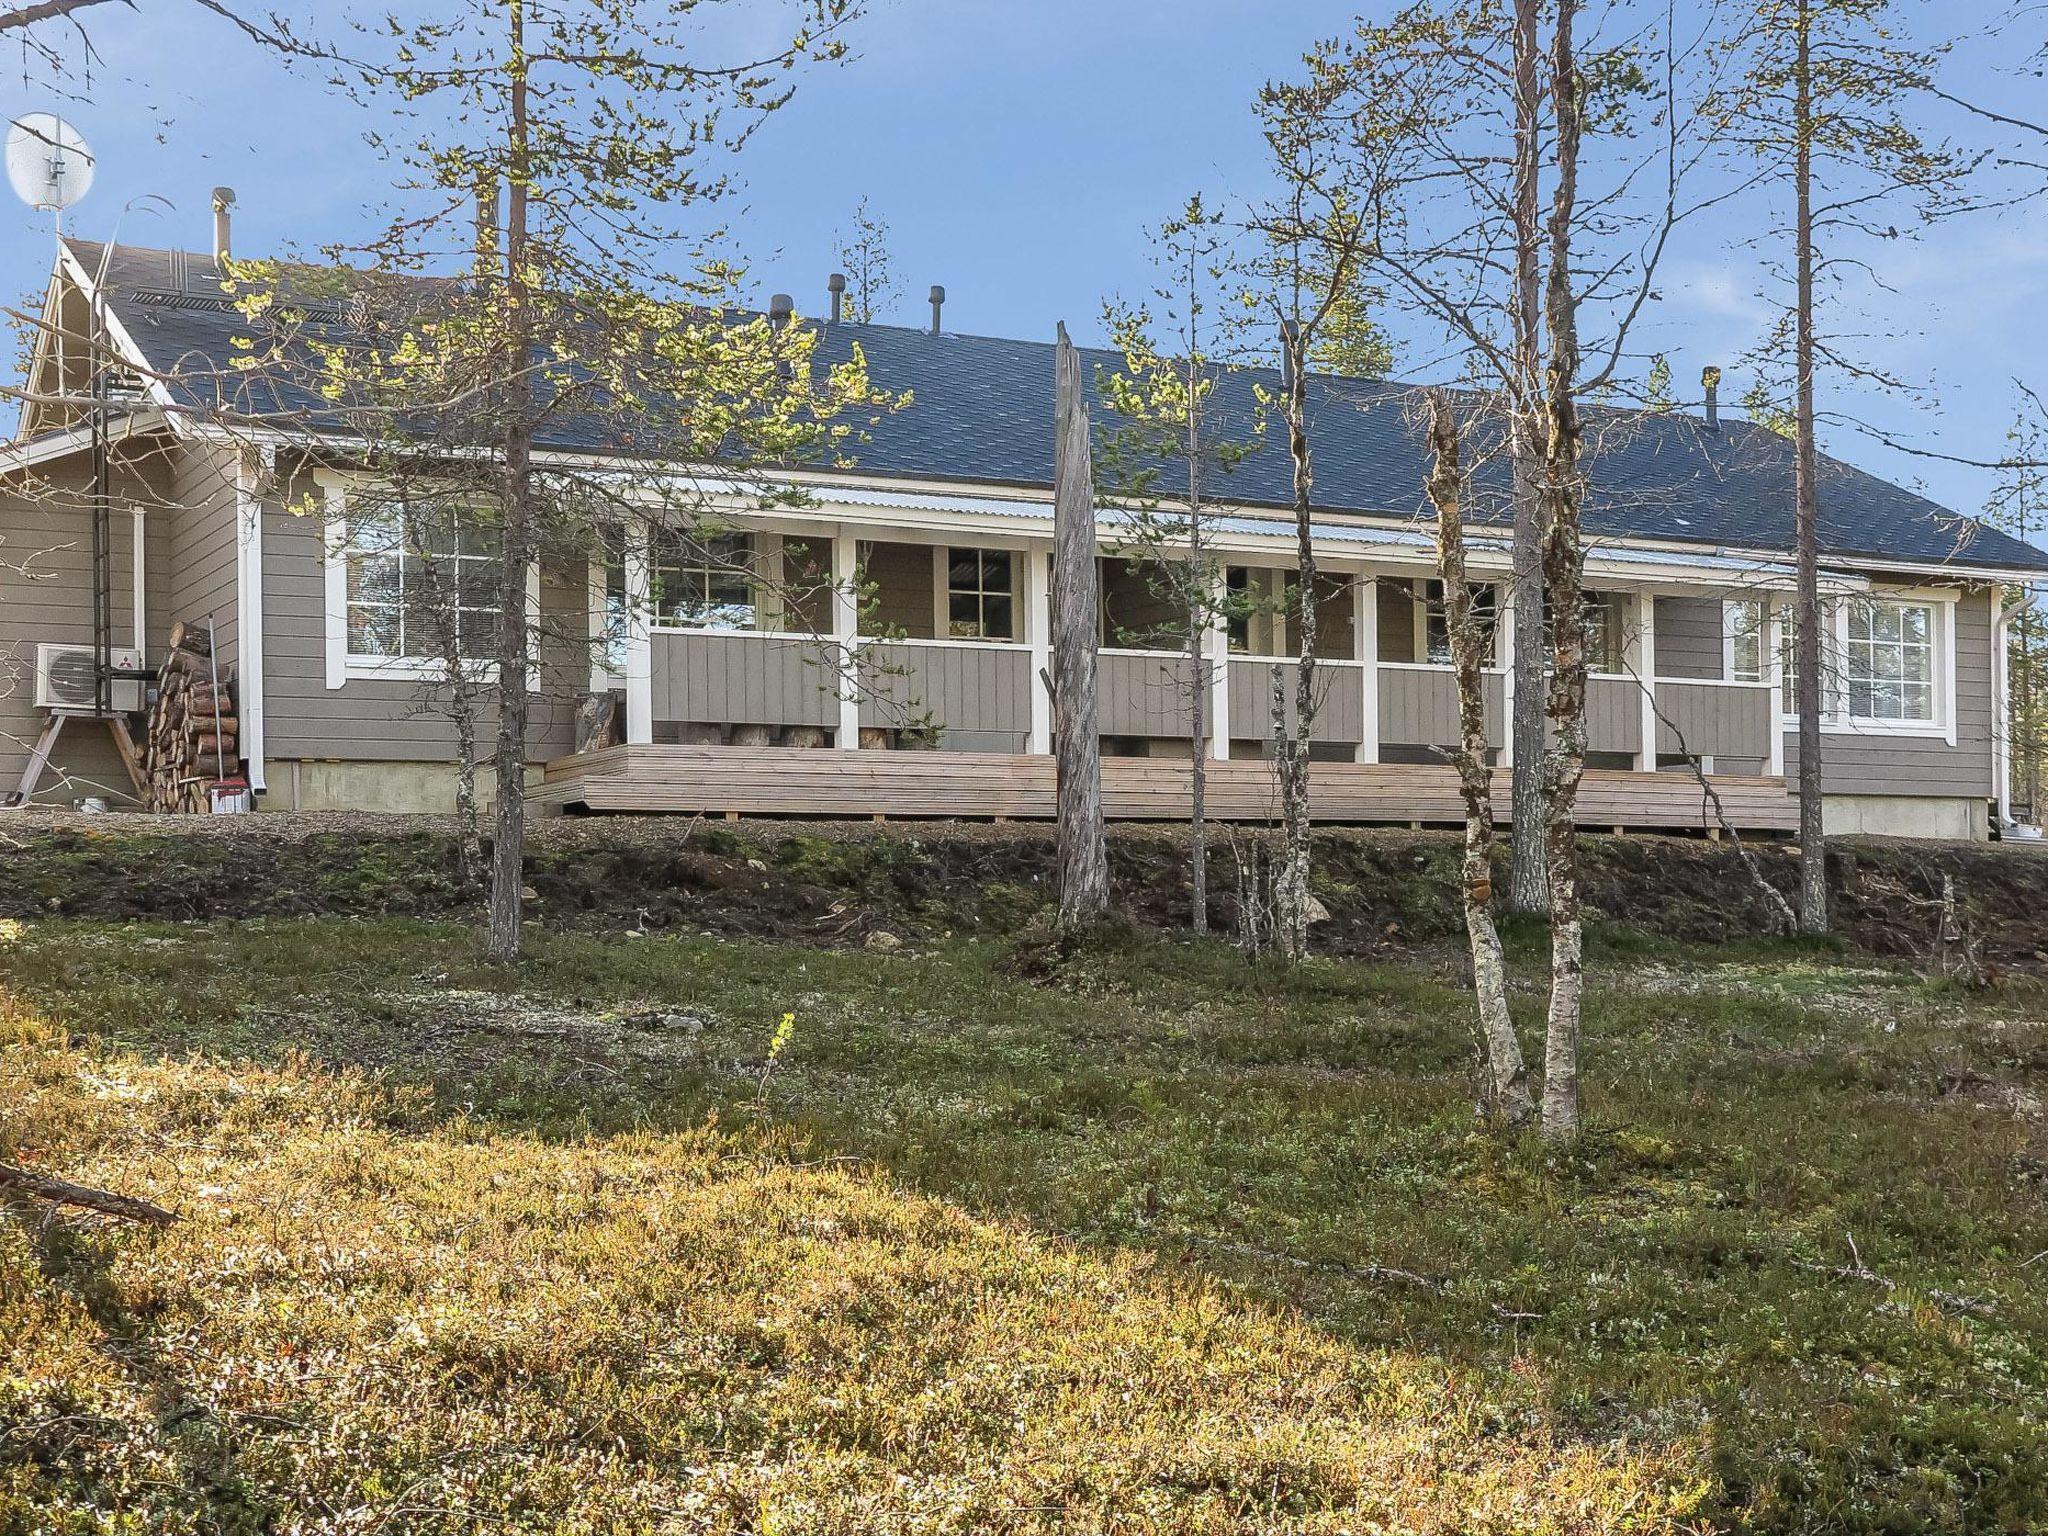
(1710, 382)
(836, 286)
(780, 307)
(223, 200)
(938, 304)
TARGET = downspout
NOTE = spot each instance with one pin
(138, 523)
(254, 474)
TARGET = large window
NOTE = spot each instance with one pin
(1881, 662)
(979, 604)
(1889, 655)
(417, 580)
(704, 581)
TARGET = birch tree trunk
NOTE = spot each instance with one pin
(1813, 867)
(508, 848)
(1084, 860)
(1563, 571)
(1290, 748)
(1507, 1097)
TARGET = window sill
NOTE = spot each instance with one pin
(1837, 727)
(408, 669)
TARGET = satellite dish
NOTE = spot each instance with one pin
(47, 162)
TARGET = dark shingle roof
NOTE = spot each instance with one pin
(982, 412)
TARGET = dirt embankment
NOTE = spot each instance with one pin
(840, 882)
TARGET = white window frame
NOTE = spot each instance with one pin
(1762, 635)
(344, 667)
(1835, 717)
(942, 595)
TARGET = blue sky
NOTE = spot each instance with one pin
(1020, 152)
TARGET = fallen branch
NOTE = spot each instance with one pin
(105, 1202)
(1775, 904)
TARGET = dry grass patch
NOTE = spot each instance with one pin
(374, 1318)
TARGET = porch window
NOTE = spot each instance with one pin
(417, 581)
(704, 581)
(1743, 622)
(1606, 632)
(1436, 623)
(1889, 652)
(979, 604)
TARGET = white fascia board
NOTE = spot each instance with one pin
(59, 445)
(124, 343)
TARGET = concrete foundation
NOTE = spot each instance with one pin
(1906, 816)
(361, 786)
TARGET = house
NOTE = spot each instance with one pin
(725, 659)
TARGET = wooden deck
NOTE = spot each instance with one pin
(773, 781)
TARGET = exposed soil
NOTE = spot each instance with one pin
(843, 883)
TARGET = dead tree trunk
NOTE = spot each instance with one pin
(1084, 860)
(1813, 869)
(1507, 1095)
(1527, 888)
(1563, 572)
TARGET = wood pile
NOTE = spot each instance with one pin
(193, 741)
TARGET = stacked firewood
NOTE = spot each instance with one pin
(192, 741)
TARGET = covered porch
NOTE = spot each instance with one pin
(882, 668)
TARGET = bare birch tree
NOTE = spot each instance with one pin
(1315, 251)
(1506, 1096)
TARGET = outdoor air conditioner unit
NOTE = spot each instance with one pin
(64, 678)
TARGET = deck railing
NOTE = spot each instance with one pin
(980, 695)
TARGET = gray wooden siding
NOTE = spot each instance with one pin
(1688, 637)
(743, 679)
(1397, 619)
(979, 694)
(202, 542)
(1923, 765)
(50, 532)
(1420, 708)
(1721, 721)
(903, 588)
(1144, 695)
(386, 720)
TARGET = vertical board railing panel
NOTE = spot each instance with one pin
(1419, 706)
(1614, 714)
(1340, 699)
(975, 692)
(1719, 720)
(1145, 693)
(741, 679)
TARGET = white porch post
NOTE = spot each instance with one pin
(846, 634)
(1216, 646)
(2001, 704)
(1038, 636)
(1365, 625)
(1774, 677)
(1504, 658)
(1646, 674)
(639, 641)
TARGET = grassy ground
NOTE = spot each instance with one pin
(1140, 1239)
